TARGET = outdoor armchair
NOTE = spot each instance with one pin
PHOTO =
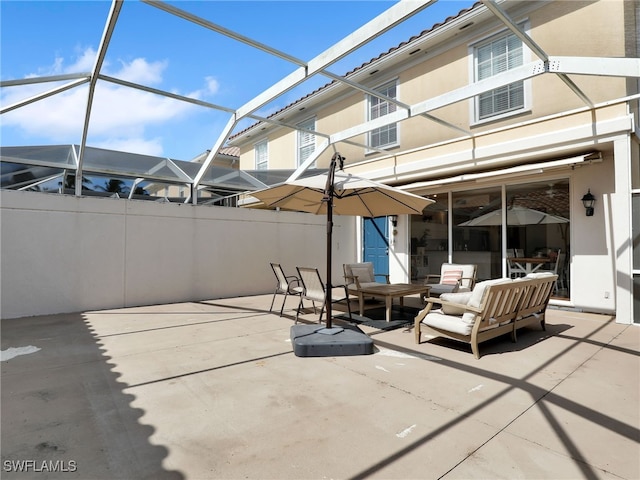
(314, 289)
(286, 285)
(358, 275)
(453, 278)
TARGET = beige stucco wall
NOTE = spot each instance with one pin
(560, 28)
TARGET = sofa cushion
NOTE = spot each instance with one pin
(461, 298)
(450, 323)
(451, 277)
(477, 296)
(364, 274)
(539, 274)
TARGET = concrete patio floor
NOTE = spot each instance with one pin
(212, 390)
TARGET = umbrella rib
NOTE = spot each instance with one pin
(289, 195)
(364, 191)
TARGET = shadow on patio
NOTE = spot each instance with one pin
(213, 390)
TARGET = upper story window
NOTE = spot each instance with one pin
(495, 56)
(306, 140)
(262, 155)
(384, 136)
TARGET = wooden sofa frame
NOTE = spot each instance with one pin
(510, 306)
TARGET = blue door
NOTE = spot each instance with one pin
(376, 243)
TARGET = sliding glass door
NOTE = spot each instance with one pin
(477, 230)
(493, 226)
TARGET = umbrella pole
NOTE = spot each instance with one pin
(328, 197)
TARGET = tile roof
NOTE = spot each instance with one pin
(355, 70)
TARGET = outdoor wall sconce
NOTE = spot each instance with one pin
(588, 200)
(394, 220)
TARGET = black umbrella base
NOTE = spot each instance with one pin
(319, 341)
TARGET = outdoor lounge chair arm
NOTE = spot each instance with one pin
(467, 308)
(291, 279)
(430, 301)
(352, 279)
(346, 290)
(472, 281)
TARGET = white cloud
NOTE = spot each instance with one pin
(84, 62)
(119, 115)
(212, 85)
(141, 71)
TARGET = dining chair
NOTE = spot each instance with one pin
(314, 289)
(555, 266)
(514, 270)
(286, 285)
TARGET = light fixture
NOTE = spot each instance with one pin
(588, 200)
(394, 220)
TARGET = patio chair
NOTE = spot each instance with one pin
(313, 288)
(287, 285)
(361, 275)
(453, 277)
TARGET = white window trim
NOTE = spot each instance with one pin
(298, 145)
(527, 94)
(367, 116)
(255, 154)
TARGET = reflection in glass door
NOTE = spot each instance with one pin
(477, 230)
(536, 230)
(429, 239)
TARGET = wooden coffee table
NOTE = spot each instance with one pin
(391, 291)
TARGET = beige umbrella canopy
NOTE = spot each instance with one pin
(344, 194)
(515, 216)
(352, 196)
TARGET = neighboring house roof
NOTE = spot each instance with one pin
(232, 153)
(365, 64)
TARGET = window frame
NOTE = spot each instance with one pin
(257, 161)
(299, 137)
(368, 106)
(474, 104)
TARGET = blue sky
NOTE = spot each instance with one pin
(159, 50)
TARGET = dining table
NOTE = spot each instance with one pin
(528, 264)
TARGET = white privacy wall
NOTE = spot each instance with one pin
(66, 254)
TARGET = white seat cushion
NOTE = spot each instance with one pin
(477, 296)
(539, 274)
(450, 323)
(461, 298)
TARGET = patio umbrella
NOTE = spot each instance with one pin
(343, 194)
(515, 216)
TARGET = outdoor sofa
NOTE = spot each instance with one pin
(491, 309)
